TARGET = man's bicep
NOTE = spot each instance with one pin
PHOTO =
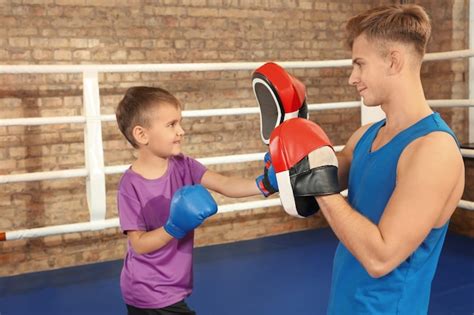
(424, 183)
(344, 160)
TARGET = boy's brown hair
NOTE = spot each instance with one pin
(134, 108)
(406, 23)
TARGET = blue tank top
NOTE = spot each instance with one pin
(372, 179)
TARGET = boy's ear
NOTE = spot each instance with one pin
(140, 135)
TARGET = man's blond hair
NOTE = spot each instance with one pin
(405, 23)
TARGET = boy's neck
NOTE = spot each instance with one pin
(149, 165)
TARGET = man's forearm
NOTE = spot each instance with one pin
(360, 236)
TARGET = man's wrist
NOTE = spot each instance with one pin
(326, 200)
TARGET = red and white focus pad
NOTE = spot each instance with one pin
(280, 97)
(305, 165)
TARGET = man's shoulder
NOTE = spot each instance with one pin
(438, 147)
(435, 142)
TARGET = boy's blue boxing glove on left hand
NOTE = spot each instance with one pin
(190, 206)
(267, 183)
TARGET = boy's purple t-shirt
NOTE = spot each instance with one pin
(162, 277)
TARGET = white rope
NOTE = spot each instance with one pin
(468, 153)
(62, 229)
(111, 223)
(212, 112)
(29, 177)
(117, 169)
(468, 205)
(451, 103)
(456, 54)
(249, 205)
(38, 121)
(185, 67)
(114, 223)
(186, 113)
(335, 105)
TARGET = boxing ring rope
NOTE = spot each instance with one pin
(71, 173)
(95, 170)
(187, 67)
(37, 121)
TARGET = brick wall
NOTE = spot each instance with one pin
(463, 220)
(181, 31)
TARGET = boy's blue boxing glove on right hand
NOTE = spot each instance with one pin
(190, 206)
(267, 183)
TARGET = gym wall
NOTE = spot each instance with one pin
(181, 31)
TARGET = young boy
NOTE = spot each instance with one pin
(161, 200)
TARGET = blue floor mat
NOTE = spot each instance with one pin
(284, 274)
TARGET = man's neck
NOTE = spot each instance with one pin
(406, 106)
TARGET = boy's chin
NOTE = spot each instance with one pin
(169, 154)
(175, 152)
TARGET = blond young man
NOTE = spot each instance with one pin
(404, 174)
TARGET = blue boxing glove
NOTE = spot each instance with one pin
(190, 206)
(267, 183)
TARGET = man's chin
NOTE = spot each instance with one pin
(370, 103)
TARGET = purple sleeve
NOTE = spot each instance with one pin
(196, 168)
(130, 215)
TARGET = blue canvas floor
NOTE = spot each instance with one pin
(285, 274)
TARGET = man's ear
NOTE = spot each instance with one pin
(140, 135)
(396, 61)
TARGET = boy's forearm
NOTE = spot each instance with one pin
(230, 186)
(239, 187)
(147, 242)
